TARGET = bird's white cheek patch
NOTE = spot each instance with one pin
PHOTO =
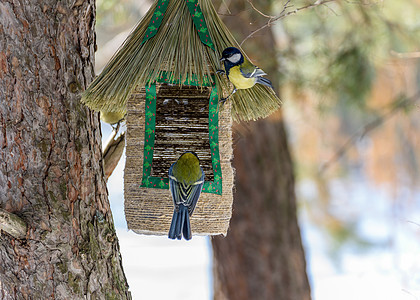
(235, 58)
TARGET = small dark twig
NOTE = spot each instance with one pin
(261, 13)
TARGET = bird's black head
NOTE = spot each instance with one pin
(232, 57)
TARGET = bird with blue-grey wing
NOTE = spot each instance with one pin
(186, 179)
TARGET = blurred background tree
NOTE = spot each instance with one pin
(352, 69)
(262, 255)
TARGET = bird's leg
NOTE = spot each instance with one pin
(117, 127)
(223, 100)
(220, 72)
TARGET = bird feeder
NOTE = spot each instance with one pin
(164, 76)
(165, 120)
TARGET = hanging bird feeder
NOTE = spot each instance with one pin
(164, 76)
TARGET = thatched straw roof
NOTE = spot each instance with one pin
(176, 47)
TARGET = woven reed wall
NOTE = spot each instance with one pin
(181, 123)
(149, 210)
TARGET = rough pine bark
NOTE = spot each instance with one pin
(262, 256)
(51, 173)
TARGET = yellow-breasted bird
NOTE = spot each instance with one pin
(240, 71)
(186, 179)
(112, 117)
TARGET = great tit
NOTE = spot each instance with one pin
(186, 179)
(112, 118)
(241, 72)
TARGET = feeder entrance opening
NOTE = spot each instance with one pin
(182, 124)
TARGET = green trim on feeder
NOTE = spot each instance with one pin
(215, 186)
(156, 20)
(196, 15)
(200, 23)
(192, 79)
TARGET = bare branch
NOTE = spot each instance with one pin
(405, 54)
(262, 14)
(113, 152)
(283, 14)
(413, 223)
(332, 10)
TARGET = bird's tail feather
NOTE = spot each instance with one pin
(181, 221)
(264, 81)
(172, 229)
(187, 226)
(180, 224)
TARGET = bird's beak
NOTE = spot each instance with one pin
(222, 59)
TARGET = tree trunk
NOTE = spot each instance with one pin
(51, 173)
(262, 256)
